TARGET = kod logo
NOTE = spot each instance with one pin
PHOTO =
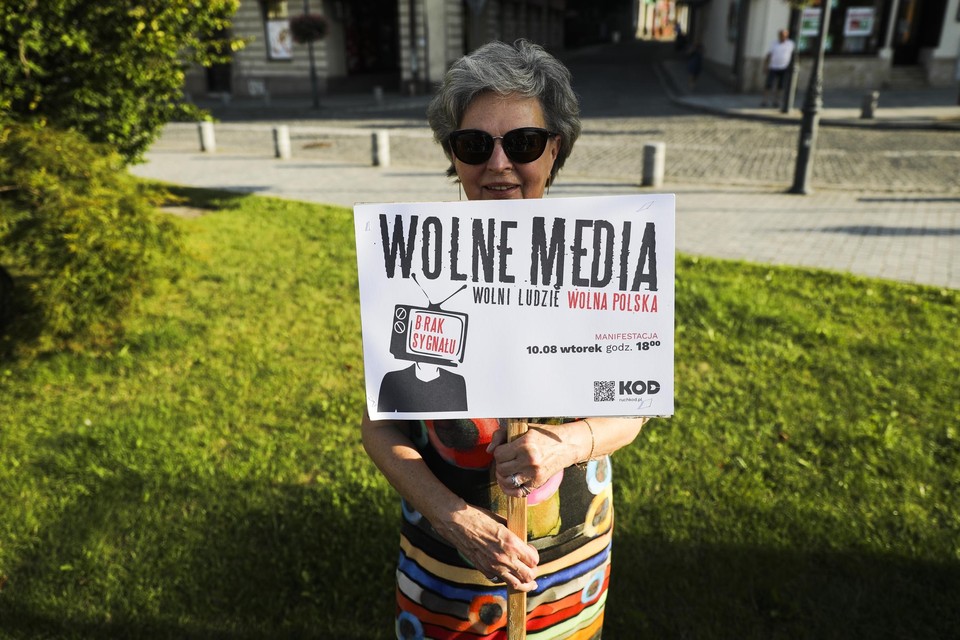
(638, 387)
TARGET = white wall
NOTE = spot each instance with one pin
(943, 63)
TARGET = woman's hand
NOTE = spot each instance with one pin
(545, 450)
(480, 535)
(483, 539)
(533, 458)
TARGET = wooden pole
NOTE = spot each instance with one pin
(517, 523)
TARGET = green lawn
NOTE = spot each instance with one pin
(205, 478)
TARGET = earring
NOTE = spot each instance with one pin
(460, 189)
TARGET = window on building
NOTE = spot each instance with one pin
(855, 27)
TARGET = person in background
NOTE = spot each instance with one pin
(775, 66)
(694, 64)
(680, 41)
(507, 119)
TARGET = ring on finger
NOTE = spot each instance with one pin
(525, 490)
(515, 479)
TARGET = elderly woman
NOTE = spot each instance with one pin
(507, 119)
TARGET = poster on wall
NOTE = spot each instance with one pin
(810, 22)
(279, 40)
(521, 308)
(858, 21)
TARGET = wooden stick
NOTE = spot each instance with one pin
(517, 523)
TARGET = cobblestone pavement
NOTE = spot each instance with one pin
(699, 150)
(886, 202)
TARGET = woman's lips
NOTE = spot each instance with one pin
(500, 189)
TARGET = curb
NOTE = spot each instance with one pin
(668, 84)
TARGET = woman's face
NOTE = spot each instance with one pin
(499, 177)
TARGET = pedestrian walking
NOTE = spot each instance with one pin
(680, 43)
(775, 65)
(694, 64)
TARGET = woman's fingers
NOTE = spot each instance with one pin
(517, 573)
(517, 585)
(515, 485)
(533, 459)
(498, 438)
(483, 538)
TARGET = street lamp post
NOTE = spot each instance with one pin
(313, 63)
(812, 104)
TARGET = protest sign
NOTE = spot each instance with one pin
(535, 308)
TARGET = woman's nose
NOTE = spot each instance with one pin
(498, 159)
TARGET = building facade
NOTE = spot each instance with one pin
(871, 44)
(398, 45)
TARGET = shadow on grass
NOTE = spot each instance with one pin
(137, 560)
(299, 562)
(180, 556)
(20, 318)
(715, 591)
(200, 198)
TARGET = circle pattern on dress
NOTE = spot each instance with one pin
(487, 613)
(594, 586)
(599, 475)
(600, 514)
(409, 627)
(410, 514)
(463, 442)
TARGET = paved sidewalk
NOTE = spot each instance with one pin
(927, 108)
(907, 238)
(911, 236)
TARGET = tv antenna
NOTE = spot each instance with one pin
(432, 305)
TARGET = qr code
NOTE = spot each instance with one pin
(604, 390)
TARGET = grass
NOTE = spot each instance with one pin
(205, 478)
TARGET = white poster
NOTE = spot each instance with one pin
(810, 21)
(558, 307)
(858, 22)
(279, 40)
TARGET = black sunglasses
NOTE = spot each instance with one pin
(522, 145)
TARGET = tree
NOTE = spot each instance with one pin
(113, 71)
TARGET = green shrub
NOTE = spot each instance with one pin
(77, 231)
(111, 70)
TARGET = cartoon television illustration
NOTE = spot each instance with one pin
(432, 338)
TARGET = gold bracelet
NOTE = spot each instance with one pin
(593, 441)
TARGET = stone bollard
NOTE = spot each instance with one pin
(653, 164)
(381, 148)
(378, 95)
(208, 142)
(281, 141)
(869, 105)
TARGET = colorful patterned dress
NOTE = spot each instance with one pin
(569, 521)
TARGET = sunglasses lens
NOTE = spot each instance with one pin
(525, 145)
(521, 145)
(472, 147)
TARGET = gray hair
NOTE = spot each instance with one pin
(524, 69)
